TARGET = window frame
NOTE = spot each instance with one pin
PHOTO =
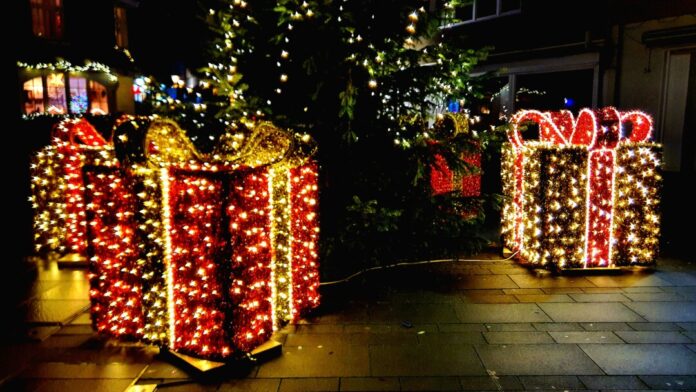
(67, 75)
(498, 13)
(51, 10)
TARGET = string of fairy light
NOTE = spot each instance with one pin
(586, 194)
(206, 254)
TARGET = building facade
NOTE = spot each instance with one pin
(73, 57)
(632, 54)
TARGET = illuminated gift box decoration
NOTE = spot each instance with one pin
(57, 188)
(586, 194)
(444, 180)
(225, 244)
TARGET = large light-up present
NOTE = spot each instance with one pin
(586, 194)
(57, 188)
(224, 244)
(458, 181)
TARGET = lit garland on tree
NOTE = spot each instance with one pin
(57, 187)
(226, 241)
(587, 193)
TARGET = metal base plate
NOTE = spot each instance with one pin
(205, 367)
(72, 260)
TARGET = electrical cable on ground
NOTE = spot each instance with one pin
(405, 264)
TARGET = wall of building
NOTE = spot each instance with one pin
(642, 69)
(125, 101)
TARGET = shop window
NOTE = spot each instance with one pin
(78, 95)
(98, 98)
(33, 96)
(55, 86)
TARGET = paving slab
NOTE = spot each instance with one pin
(52, 312)
(591, 297)
(250, 385)
(540, 359)
(628, 280)
(68, 290)
(665, 311)
(510, 327)
(461, 327)
(550, 281)
(653, 337)
(543, 298)
(642, 359)
(62, 385)
(613, 382)
(491, 383)
(370, 384)
(430, 384)
(535, 337)
(655, 297)
(445, 338)
(500, 313)
(606, 326)
(424, 360)
(670, 382)
(655, 326)
(558, 327)
(308, 384)
(486, 282)
(82, 370)
(489, 298)
(414, 313)
(585, 337)
(678, 278)
(590, 312)
(339, 361)
(355, 339)
(551, 382)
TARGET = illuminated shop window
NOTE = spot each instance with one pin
(33, 96)
(78, 95)
(55, 86)
(98, 98)
(47, 94)
(47, 18)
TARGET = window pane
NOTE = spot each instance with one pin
(55, 84)
(121, 26)
(509, 5)
(78, 95)
(465, 12)
(570, 90)
(47, 18)
(33, 96)
(99, 98)
(486, 8)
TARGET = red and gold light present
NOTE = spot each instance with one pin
(226, 242)
(458, 181)
(586, 194)
(57, 188)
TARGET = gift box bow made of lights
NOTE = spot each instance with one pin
(443, 179)
(57, 189)
(205, 254)
(586, 194)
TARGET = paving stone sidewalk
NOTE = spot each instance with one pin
(487, 325)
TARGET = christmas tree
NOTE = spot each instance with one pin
(367, 79)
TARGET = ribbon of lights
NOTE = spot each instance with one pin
(226, 241)
(586, 194)
(57, 187)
